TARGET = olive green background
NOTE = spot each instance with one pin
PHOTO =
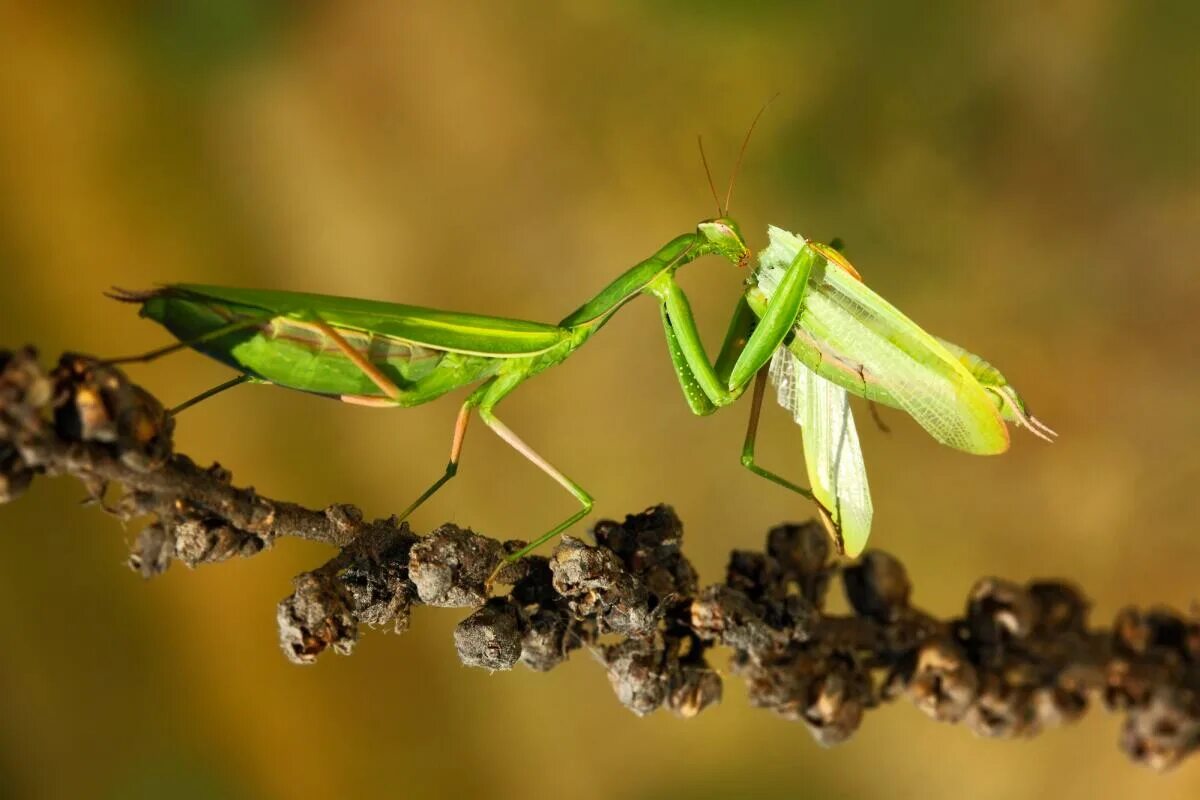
(1020, 178)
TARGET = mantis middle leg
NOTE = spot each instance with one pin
(491, 395)
(456, 444)
(485, 398)
(394, 392)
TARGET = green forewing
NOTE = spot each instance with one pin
(443, 330)
(861, 341)
(292, 352)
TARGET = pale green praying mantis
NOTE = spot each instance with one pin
(805, 319)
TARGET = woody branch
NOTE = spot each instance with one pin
(1019, 658)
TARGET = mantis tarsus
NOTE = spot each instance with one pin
(807, 309)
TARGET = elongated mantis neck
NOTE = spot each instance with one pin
(671, 256)
(712, 237)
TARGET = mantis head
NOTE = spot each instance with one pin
(721, 235)
(724, 238)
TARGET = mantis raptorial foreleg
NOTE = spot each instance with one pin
(697, 398)
(692, 363)
(753, 352)
(741, 325)
(737, 336)
(747, 346)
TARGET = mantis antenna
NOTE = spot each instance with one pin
(708, 174)
(745, 142)
(723, 209)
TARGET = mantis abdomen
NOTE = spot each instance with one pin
(300, 354)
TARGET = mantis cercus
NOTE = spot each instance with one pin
(804, 306)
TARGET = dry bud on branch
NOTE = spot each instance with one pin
(1019, 659)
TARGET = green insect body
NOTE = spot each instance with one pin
(388, 354)
(853, 337)
(420, 350)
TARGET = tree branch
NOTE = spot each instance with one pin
(1020, 659)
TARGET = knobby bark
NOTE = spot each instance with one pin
(1019, 658)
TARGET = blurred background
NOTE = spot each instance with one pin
(1022, 180)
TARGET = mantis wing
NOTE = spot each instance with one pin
(449, 331)
(836, 472)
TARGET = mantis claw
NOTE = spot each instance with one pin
(491, 579)
(507, 561)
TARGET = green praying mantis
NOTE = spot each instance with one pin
(805, 320)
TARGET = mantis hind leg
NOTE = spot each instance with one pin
(394, 393)
(217, 333)
(207, 393)
(385, 384)
(485, 398)
(159, 352)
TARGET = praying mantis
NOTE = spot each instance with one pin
(805, 320)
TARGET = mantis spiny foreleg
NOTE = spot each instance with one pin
(753, 352)
(747, 346)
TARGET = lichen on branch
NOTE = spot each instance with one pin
(1018, 659)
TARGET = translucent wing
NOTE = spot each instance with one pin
(1012, 405)
(857, 339)
(836, 472)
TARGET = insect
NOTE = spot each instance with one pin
(847, 339)
(814, 309)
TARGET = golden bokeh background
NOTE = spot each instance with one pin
(1021, 178)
